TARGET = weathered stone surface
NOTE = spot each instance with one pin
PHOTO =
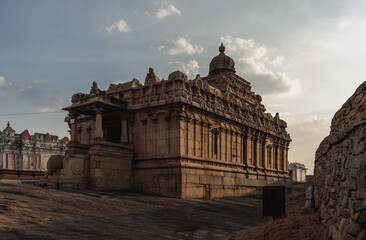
(54, 163)
(340, 168)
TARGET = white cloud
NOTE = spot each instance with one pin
(167, 9)
(2, 81)
(182, 45)
(189, 68)
(161, 47)
(278, 61)
(120, 26)
(343, 22)
(254, 61)
(39, 81)
(51, 109)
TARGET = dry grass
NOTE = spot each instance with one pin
(295, 226)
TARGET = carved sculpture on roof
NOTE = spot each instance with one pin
(95, 90)
(151, 78)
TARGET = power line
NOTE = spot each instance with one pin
(34, 113)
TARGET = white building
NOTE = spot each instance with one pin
(297, 172)
(28, 152)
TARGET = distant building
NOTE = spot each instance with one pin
(297, 172)
(28, 152)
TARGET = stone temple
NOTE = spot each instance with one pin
(208, 137)
(28, 152)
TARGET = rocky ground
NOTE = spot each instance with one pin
(30, 212)
(298, 225)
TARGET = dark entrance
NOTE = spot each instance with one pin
(274, 201)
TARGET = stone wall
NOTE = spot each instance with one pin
(340, 171)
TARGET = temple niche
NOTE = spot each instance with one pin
(208, 137)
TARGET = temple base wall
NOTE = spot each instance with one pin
(182, 178)
(110, 166)
(100, 166)
(158, 176)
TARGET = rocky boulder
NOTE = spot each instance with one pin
(340, 171)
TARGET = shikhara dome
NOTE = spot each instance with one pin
(222, 63)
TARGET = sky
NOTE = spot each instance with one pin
(305, 58)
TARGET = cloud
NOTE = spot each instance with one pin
(120, 26)
(33, 93)
(2, 81)
(161, 47)
(183, 45)
(263, 71)
(166, 9)
(343, 22)
(39, 81)
(190, 68)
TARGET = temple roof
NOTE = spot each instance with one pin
(222, 63)
(8, 130)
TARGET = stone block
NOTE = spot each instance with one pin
(359, 194)
(353, 228)
(357, 205)
(362, 235)
(361, 218)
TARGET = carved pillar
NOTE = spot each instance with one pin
(240, 148)
(255, 151)
(202, 140)
(186, 136)
(245, 150)
(14, 161)
(264, 154)
(98, 125)
(214, 144)
(84, 135)
(220, 140)
(208, 140)
(194, 136)
(249, 150)
(283, 158)
(40, 161)
(236, 147)
(286, 158)
(231, 147)
(252, 149)
(276, 157)
(168, 135)
(7, 160)
(21, 161)
(124, 131)
(154, 122)
(225, 145)
(259, 152)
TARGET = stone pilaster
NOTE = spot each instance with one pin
(98, 125)
(124, 131)
(84, 135)
(264, 154)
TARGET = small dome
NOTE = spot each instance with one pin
(222, 63)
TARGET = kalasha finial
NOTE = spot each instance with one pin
(8, 124)
(222, 48)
